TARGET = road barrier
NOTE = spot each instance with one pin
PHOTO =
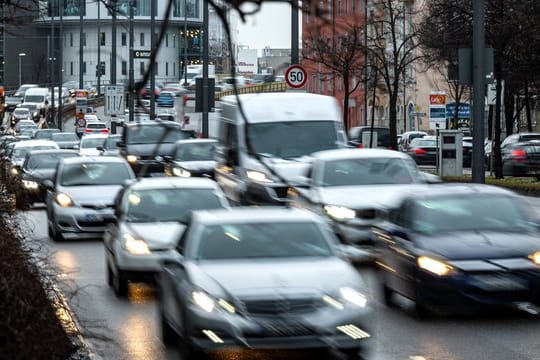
(260, 88)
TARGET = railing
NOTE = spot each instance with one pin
(260, 88)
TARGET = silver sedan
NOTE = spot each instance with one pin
(262, 278)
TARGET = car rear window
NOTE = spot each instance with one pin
(96, 126)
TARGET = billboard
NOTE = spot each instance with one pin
(247, 60)
(437, 110)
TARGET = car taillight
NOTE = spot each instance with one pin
(360, 146)
(87, 130)
(519, 155)
(106, 131)
(419, 151)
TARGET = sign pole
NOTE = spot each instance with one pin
(478, 174)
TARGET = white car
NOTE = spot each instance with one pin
(89, 144)
(96, 127)
(21, 148)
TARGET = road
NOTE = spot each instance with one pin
(128, 328)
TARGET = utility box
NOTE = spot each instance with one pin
(450, 153)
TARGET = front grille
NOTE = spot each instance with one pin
(283, 328)
(367, 214)
(97, 206)
(280, 306)
(94, 224)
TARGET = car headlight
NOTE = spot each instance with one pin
(135, 246)
(535, 257)
(339, 213)
(64, 200)
(208, 303)
(434, 266)
(14, 171)
(181, 172)
(30, 185)
(258, 176)
(132, 159)
(354, 297)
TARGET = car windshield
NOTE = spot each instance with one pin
(166, 95)
(20, 152)
(369, 171)
(195, 152)
(155, 205)
(34, 98)
(290, 139)
(469, 213)
(21, 112)
(96, 126)
(152, 134)
(64, 137)
(261, 240)
(45, 161)
(423, 142)
(94, 173)
(92, 143)
(44, 134)
(112, 142)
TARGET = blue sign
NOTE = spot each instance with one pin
(464, 110)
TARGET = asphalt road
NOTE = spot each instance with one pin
(128, 328)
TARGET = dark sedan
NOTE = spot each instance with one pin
(38, 166)
(521, 159)
(460, 245)
(66, 140)
(423, 150)
(192, 158)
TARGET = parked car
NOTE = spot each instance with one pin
(359, 136)
(351, 188)
(192, 158)
(407, 137)
(151, 216)
(423, 150)
(66, 140)
(521, 159)
(262, 278)
(460, 245)
(90, 143)
(166, 99)
(80, 200)
(38, 166)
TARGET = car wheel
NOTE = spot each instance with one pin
(168, 335)
(421, 310)
(120, 285)
(352, 354)
(50, 230)
(186, 349)
(57, 234)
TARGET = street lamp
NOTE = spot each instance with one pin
(20, 56)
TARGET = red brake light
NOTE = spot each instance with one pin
(519, 154)
(419, 151)
(360, 146)
(105, 130)
(87, 130)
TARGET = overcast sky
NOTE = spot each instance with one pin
(270, 27)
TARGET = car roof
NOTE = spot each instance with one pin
(153, 123)
(239, 215)
(196, 141)
(94, 136)
(337, 154)
(458, 190)
(173, 182)
(96, 159)
(29, 143)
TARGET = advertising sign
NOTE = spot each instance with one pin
(437, 110)
(247, 61)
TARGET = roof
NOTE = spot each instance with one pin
(173, 182)
(239, 215)
(460, 190)
(285, 106)
(52, 151)
(30, 143)
(350, 153)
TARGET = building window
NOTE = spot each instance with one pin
(340, 83)
(321, 83)
(166, 69)
(124, 67)
(124, 39)
(84, 67)
(314, 83)
(102, 39)
(141, 69)
(192, 8)
(338, 7)
(346, 7)
(174, 69)
(71, 39)
(71, 68)
(142, 39)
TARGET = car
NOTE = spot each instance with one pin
(166, 114)
(20, 113)
(352, 188)
(150, 218)
(21, 148)
(263, 78)
(38, 166)
(423, 150)
(460, 245)
(80, 199)
(24, 124)
(519, 137)
(66, 140)
(90, 143)
(45, 134)
(34, 111)
(96, 127)
(408, 136)
(176, 89)
(143, 141)
(21, 91)
(110, 146)
(192, 158)
(359, 136)
(166, 99)
(521, 159)
(262, 278)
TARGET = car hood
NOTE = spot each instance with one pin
(42, 174)
(267, 277)
(89, 152)
(67, 144)
(469, 245)
(290, 169)
(158, 235)
(196, 165)
(361, 196)
(92, 195)
(149, 149)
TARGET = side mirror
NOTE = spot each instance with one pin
(355, 255)
(48, 184)
(100, 148)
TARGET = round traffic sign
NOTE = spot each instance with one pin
(81, 122)
(295, 76)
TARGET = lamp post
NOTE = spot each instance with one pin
(20, 57)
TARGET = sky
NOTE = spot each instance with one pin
(271, 26)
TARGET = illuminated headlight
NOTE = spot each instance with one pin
(14, 171)
(136, 246)
(535, 257)
(181, 172)
(208, 304)
(434, 266)
(258, 176)
(339, 213)
(132, 159)
(64, 200)
(354, 297)
(30, 185)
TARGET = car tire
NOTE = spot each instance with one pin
(57, 234)
(168, 335)
(421, 310)
(186, 349)
(119, 284)
(110, 275)
(50, 230)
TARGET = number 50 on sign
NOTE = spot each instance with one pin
(295, 76)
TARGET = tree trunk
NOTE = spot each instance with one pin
(346, 103)
(373, 108)
(393, 117)
(528, 108)
(497, 144)
(509, 107)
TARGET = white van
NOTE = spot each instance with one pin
(37, 96)
(279, 129)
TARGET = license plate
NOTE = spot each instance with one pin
(499, 282)
(94, 217)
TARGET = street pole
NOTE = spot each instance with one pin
(99, 47)
(205, 70)
(20, 67)
(113, 43)
(131, 64)
(294, 33)
(185, 43)
(153, 65)
(81, 80)
(51, 67)
(479, 81)
(61, 68)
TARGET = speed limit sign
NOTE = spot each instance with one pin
(295, 76)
